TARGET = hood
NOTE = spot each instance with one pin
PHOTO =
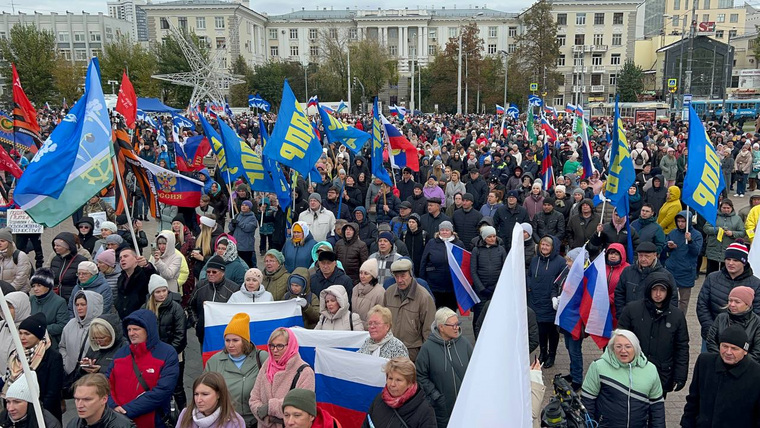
(230, 254)
(305, 228)
(585, 201)
(207, 182)
(360, 158)
(94, 306)
(89, 221)
(171, 242)
(340, 295)
(364, 216)
(674, 193)
(486, 220)
(303, 273)
(354, 226)
(662, 182)
(555, 248)
(111, 323)
(638, 361)
(685, 214)
(654, 278)
(620, 249)
(20, 302)
(147, 320)
(69, 239)
(218, 188)
(435, 335)
(318, 245)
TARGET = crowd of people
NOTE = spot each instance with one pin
(108, 323)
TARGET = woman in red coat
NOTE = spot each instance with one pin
(616, 261)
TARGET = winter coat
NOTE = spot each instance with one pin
(30, 421)
(656, 195)
(352, 253)
(412, 315)
(542, 272)
(649, 231)
(434, 192)
(716, 249)
(430, 224)
(239, 381)
(682, 259)
(452, 189)
(367, 229)
(479, 190)
(98, 285)
(243, 227)
(319, 282)
(65, 268)
(276, 283)
(441, 365)
(74, 340)
(103, 355)
(172, 323)
(434, 267)
(466, 225)
(552, 224)
(343, 319)
(210, 292)
(713, 296)
(168, 266)
(310, 313)
(663, 333)
(722, 395)
(159, 367)
(415, 413)
(748, 320)
(406, 188)
(419, 203)
(245, 296)
(415, 244)
(505, 219)
(272, 393)
(630, 286)
(618, 395)
(110, 419)
(533, 204)
(56, 314)
(167, 214)
(236, 421)
(298, 255)
(364, 297)
(50, 381)
(743, 162)
(485, 267)
(580, 229)
(614, 272)
(320, 223)
(669, 167)
(133, 289)
(611, 235)
(17, 274)
(666, 218)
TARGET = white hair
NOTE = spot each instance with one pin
(443, 314)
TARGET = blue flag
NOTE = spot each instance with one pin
(535, 101)
(229, 162)
(255, 101)
(179, 122)
(161, 137)
(228, 111)
(6, 128)
(141, 115)
(704, 179)
(342, 106)
(337, 131)
(378, 170)
(621, 175)
(281, 185)
(294, 143)
(250, 161)
(513, 111)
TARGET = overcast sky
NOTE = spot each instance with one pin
(283, 6)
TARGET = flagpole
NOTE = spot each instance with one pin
(123, 192)
(601, 220)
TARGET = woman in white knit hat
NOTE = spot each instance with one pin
(367, 293)
(19, 410)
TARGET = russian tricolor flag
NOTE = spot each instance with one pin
(547, 168)
(308, 340)
(404, 152)
(347, 383)
(570, 109)
(313, 101)
(500, 109)
(265, 318)
(550, 111)
(459, 265)
(595, 306)
(327, 108)
(551, 133)
(569, 310)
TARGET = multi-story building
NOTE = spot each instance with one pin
(131, 11)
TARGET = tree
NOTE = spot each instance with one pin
(170, 59)
(68, 78)
(33, 52)
(139, 63)
(239, 93)
(756, 47)
(267, 80)
(535, 58)
(371, 64)
(333, 66)
(630, 82)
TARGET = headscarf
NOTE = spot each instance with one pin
(291, 350)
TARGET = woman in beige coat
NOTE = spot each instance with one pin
(15, 272)
(367, 293)
(335, 311)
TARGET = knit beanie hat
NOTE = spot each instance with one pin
(156, 282)
(386, 235)
(487, 231)
(180, 218)
(216, 262)
(370, 266)
(446, 225)
(297, 279)
(254, 273)
(302, 399)
(43, 276)
(735, 335)
(109, 225)
(527, 227)
(316, 196)
(6, 235)
(20, 388)
(240, 324)
(108, 257)
(88, 266)
(248, 203)
(743, 293)
(737, 251)
(276, 254)
(114, 239)
(35, 324)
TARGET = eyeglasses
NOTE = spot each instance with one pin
(278, 346)
(455, 325)
(375, 324)
(84, 226)
(212, 271)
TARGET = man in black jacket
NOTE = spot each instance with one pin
(91, 393)
(132, 284)
(630, 285)
(507, 216)
(549, 221)
(406, 184)
(433, 218)
(466, 221)
(662, 331)
(477, 188)
(215, 288)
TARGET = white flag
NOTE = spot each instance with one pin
(489, 397)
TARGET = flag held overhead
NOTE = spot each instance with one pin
(704, 178)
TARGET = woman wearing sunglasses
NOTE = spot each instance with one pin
(284, 370)
(442, 362)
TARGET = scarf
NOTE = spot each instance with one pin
(33, 356)
(396, 402)
(373, 346)
(274, 366)
(204, 421)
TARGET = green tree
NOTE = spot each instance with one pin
(170, 59)
(139, 63)
(371, 64)
(535, 58)
(630, 82)
(239, 93)
(756, 47)
(33, 52)
(68, 78)
(332, 74)
(267, 80)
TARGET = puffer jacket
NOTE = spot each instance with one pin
(272, 393)
(367, 229)
(243, 228)
(716, 249)
(56, 314)
(666, 218)
(623, 395)
(656, 195)
(65, 268)
(99, 285)
(649, 231)
(663, 333)
(276, 283)
(343, 318)
(630, 286)
(681, 260)
(466, 225)
(103, 355)
(299, 255)
(17, 274)
(170, 262)
(159, 366)
(172, 322)
(542, 272)
(239, 381)
(309, 313)
(74, 338)
(713, 296)
(245, 296)
(613, 274)
(20, 303)
(552, 224)
(417, 412)
(580, 229)
(364, 297)
(441, 365)
(505, 219)
(485, 267)
(352, 253)
(748, 320)
(434, 267)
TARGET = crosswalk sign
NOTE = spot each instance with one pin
(672, 83)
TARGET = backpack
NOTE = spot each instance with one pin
(15, 261)
(639, 160)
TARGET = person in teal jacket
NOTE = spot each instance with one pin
(297, 249)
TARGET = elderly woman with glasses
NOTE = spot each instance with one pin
(381, 341)
(442, 362)
(284, 370)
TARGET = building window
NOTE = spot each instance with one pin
(312, 34)
(561, 61)
(334, 33)
(580, 39)
(580, 19)
(707, 4)
(676, 4)
(731, 34)
(219, 22)
(578, 61)
(617, 18)
(272, 34)
(80, 55)
(721, 17)
(561, 40)
(294, 50)
(314, 50)
(182, 23)
(596, 59)
(676, 20)
(734, 18)
(200, 23)
(204, 41)
(94, 36)
(596, 79)
(492, 49)
(432, 50)
(511, 48)
(561, 19)
(453, 32)
(274, 51)
(433, 34)
(599, 18)
(615, 59)
(79, 37)
(96, 52)
(164, 23)
(613, 79)
(559, 100)
(706, 17)
(598, 39)
(221, 42)
(493, 32)
(512, 31)
(63, 37)
(66, 54)
(617, 39)
(294, 34)
(353, 34)
(392, 50)
(719, 34)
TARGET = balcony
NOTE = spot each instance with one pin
(599, 48)
(578, 88)
(580, 69)
(598, 69)
(578, 48)
(597, 88)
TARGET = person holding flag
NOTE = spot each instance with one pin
(544, 269)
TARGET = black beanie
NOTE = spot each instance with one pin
(43, 276)
(216, 262)
(734, 335)
(36, 324)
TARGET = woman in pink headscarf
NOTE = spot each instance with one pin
(283, 370)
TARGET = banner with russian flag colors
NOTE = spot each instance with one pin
(569, 309)
(551, 133)
(500, 109)
(595, 306)
(265, 318)
(347, 383)
(404, 152)
(309, 340)
(547, 168)
(459, 265)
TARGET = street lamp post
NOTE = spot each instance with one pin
(306, 79)
(459, 67)
(506, 70)
(349, 80)
(728, 64)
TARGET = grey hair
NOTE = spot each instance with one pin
(443, 314)
(628, 335)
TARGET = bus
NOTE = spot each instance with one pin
(647, 111)
(747, 109)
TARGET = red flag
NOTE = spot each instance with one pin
(24, 118)
(7, 164)
(126, 104)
